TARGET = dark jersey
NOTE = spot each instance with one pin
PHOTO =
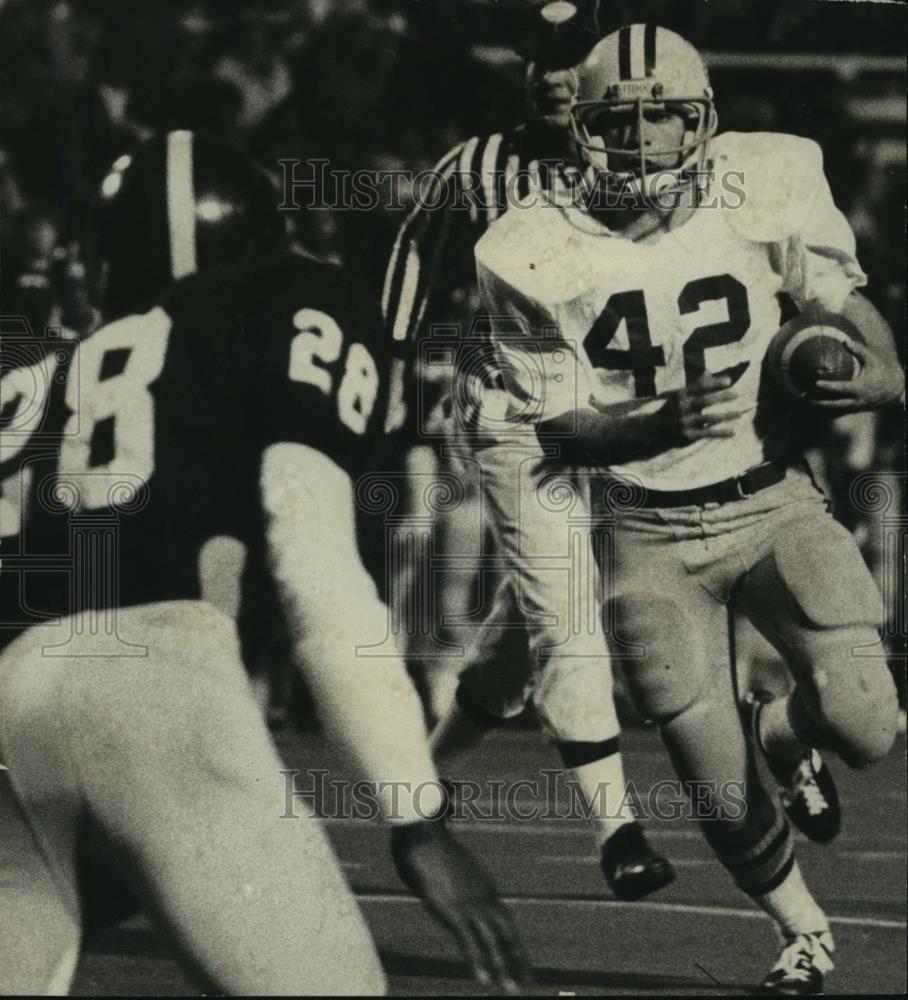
(124, 455)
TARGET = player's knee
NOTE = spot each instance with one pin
(663, 687)
(666, 677)
(574, 701)
(859, 705)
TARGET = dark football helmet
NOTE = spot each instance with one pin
(181, 203)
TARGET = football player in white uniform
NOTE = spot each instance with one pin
(632, 320)
(560, 658)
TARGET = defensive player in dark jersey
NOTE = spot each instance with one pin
(221, 409)
(571, 687)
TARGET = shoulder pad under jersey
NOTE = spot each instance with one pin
(531, 249)
(775, 176)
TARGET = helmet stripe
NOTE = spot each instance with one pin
(624, 53)
(649, 49)
(180, 204)
(637, 62)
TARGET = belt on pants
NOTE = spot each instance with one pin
(727, 491)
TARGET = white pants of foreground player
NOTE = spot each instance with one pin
(161, 766)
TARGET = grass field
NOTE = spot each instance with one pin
(700, 936)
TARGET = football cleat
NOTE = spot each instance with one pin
(799, 970)
(631, 867)
(807, 790)
(810, 798)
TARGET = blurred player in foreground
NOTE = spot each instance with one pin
(565, 670)
(228, 398)
(647, 299)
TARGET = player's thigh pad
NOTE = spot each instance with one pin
(825, 579)
(668, 672)
(815, 598)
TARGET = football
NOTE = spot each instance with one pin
(813, 347)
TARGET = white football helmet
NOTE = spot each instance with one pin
(638, 69)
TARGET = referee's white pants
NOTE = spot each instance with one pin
(539, 510)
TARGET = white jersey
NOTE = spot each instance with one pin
(583, 317)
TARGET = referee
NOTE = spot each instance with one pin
(481, 178)
(474, 184)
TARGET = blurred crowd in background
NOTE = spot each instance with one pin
(391, 85)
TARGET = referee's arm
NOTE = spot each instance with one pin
(467, 194)
(418, 248)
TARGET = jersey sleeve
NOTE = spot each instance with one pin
(820, 265)
(422, 239)
(432, 253)
(543, 374)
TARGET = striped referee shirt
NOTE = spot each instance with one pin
(471, 187)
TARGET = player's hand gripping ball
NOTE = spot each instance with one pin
(815, 346)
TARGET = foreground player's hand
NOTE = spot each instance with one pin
(880, 380)
(461, 895)
(705, 409)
